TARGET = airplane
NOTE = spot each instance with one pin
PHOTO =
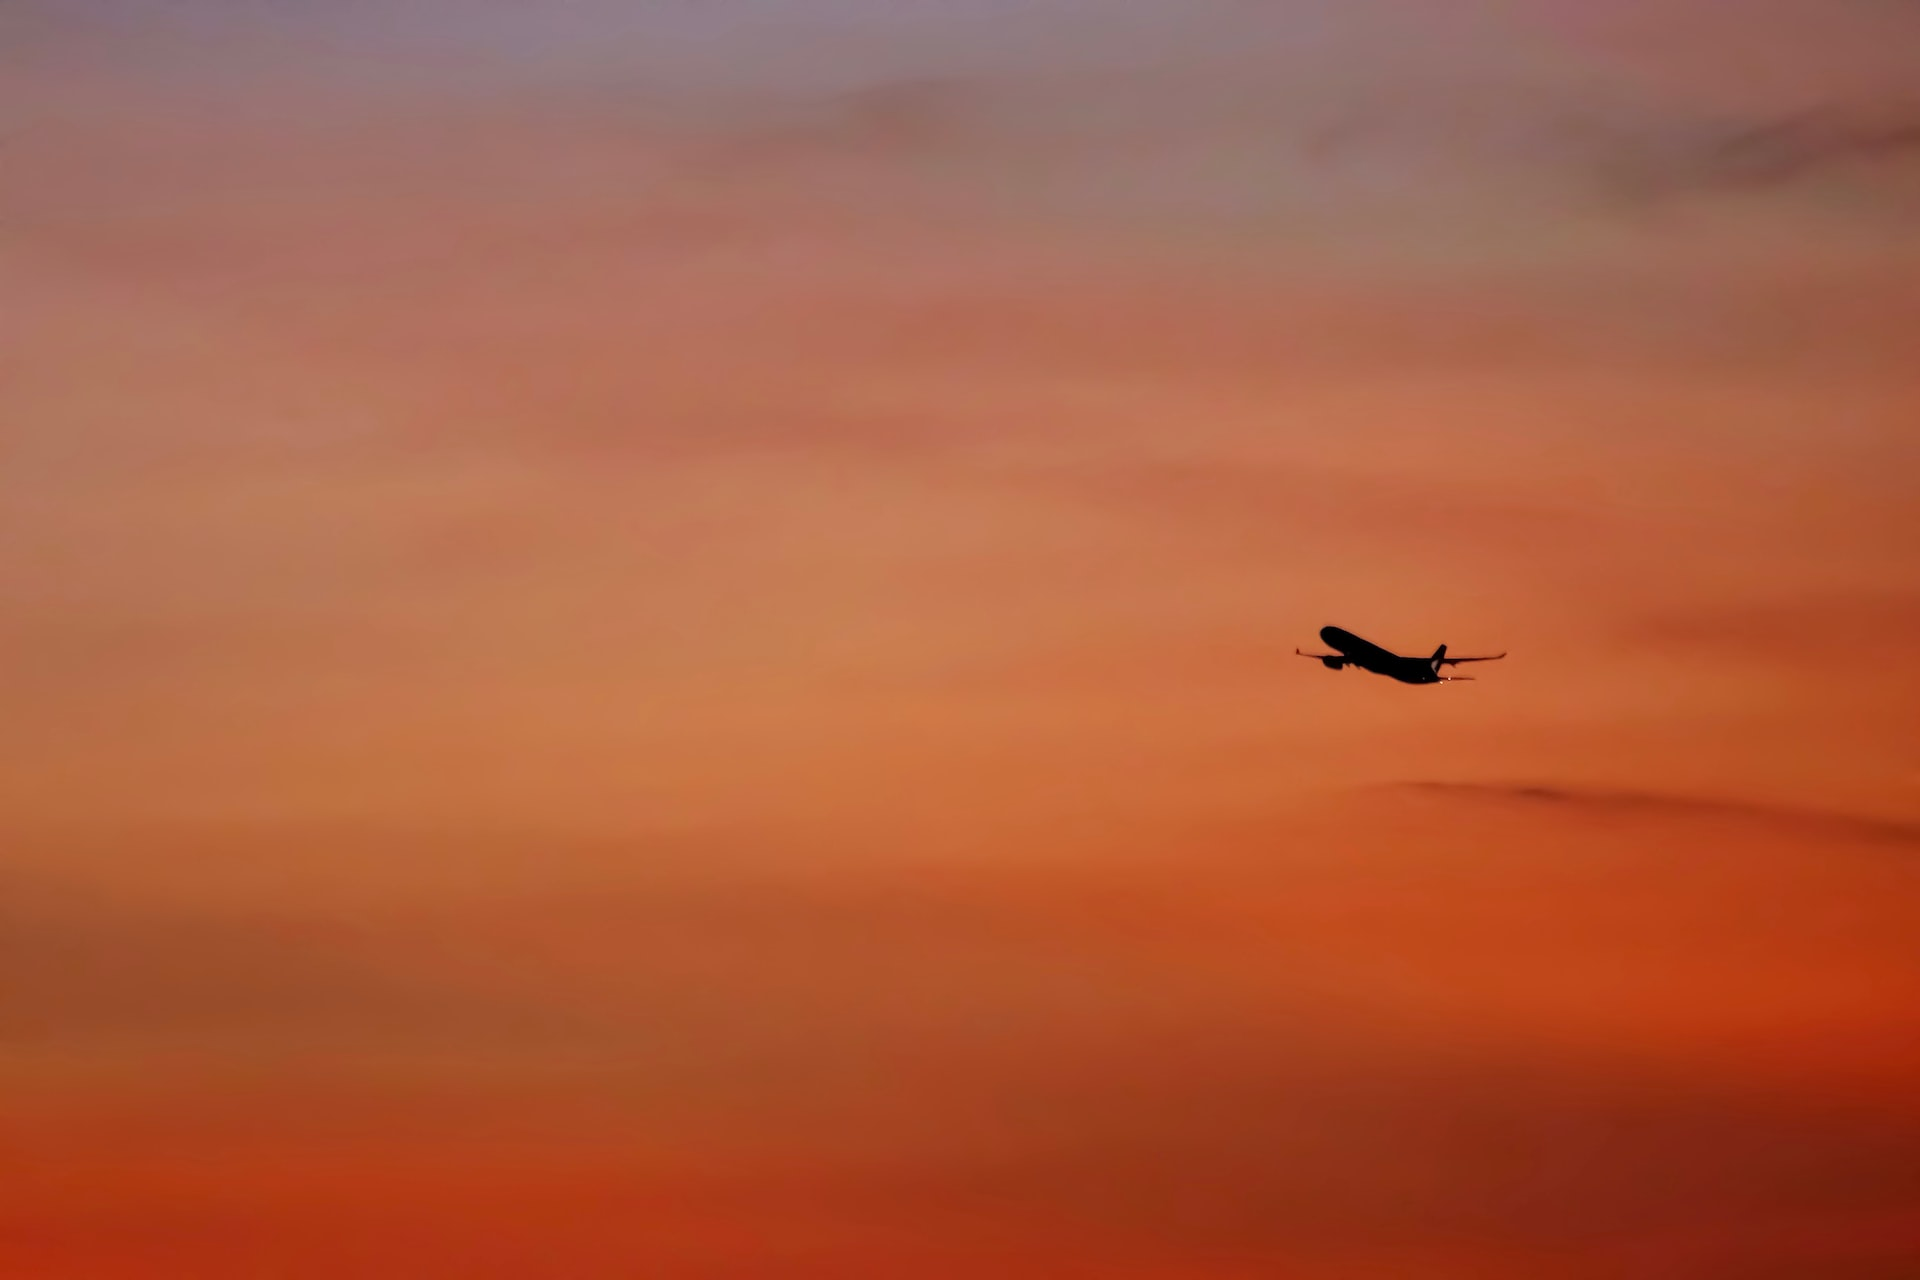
(1349, 648)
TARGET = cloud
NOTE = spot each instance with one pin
(1483, 139)
(1272, 508)
(896, 119)
(1798, 821)
(1868, 149)
(1802, 145)
(1327, 1051)
(84, 967)
(1817, 627)
(1281, 1149)
(851, 1068)
(1617, 151)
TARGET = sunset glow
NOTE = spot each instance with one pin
(657, 639)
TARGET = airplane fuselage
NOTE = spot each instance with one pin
(1369, 656)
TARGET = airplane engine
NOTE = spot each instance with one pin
(1333, 664)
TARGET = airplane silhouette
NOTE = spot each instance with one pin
(1349, 648)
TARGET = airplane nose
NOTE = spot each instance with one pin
(1329, 635)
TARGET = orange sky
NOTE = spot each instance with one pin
(657, 641)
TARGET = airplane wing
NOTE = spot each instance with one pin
(1322, 656)
(1491, 657)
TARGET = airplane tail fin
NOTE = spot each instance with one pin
(1438, 655)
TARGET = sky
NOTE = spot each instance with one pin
(657, 639)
